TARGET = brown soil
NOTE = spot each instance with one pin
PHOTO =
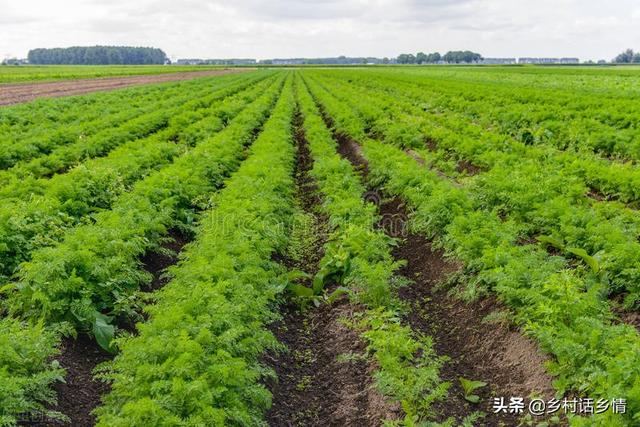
(467, 167)
(625, 315)
(81, 393)
(156, 263)
(325, 379)
(496, 353)
(24, 92)
(630, 318)
(431, 144)
(315, 387)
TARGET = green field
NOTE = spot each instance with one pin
(50, 73)
(397, 228)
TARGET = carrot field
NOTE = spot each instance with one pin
(407, 246)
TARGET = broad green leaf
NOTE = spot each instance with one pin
(301, 291)
(582, 254)
(550, 240)
(473, 398)
(337, 294)
(103, 331)
(318, 282)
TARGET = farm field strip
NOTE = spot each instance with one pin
(485, 147)
(322, 247)
(134, 224)
(542, 200)
(566, 133)
(562, 118)
(43, 73)
(14, 94)
(63, 157)
(45, 139)
(86, 284)
(611, 82)
(42, 210)
(206, 371)
(470, 349)
(22, 121)
(551, 303)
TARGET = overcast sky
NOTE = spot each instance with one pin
(589, 29)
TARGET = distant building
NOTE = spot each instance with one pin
(231, 61)
(288, 61)
(189, 62)
(548, 61)
(501, 61)
(340, 60)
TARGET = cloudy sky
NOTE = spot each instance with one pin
(589, 29)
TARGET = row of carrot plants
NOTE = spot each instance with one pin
(536, 192)
(568, 316)
(92, 276)
(358, 257)
(196, 361)
(41, 210)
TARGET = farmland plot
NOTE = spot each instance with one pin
(411, 246)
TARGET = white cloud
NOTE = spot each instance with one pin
(282, 28)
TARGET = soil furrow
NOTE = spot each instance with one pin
(81, 393)
(493, 352)
(324, 379)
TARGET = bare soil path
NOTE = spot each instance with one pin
(24, 92)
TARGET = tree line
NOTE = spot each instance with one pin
(451, 57)
(97, 55)
(628, 57)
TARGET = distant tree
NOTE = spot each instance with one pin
(625, 57)
(421, 58)
(98, 55)
(385, 60)
(433, 58)
(459, 56)
(406, 58)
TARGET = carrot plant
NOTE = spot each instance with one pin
(41, 210)
(66, 282)
(551, 302)
(196, 361)
(358, 257)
